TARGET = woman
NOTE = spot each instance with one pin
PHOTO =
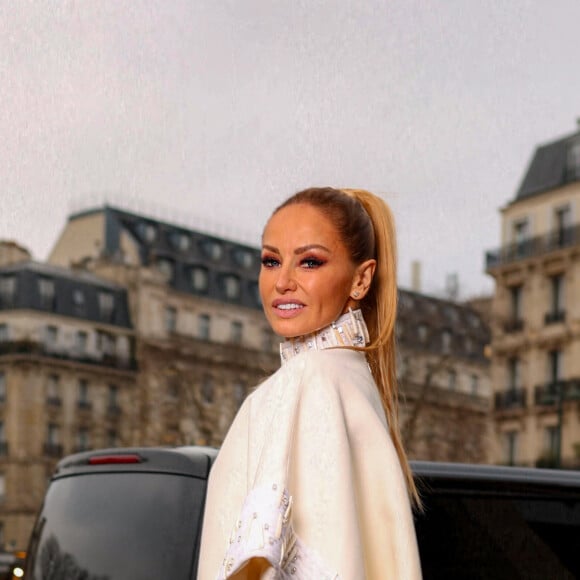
(312, 481)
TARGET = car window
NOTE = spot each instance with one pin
(499, 538)
(120, 526)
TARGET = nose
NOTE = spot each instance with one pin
(285, 281)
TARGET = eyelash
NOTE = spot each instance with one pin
(308, 263)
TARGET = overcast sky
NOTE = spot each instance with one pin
(210, 112)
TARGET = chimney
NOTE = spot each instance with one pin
(416, 276)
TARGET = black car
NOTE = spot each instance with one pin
(135, 514)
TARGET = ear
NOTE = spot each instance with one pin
(362, 279)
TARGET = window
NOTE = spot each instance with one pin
(4, 333)
(46, 291)
(552, 441)
(557, 294)
(83, 442)
(452, 380)
(255, 293)
(474, 384)
(53, 389)
(147, 232)
(170, 319)
(2, 498)
(3, 390)
(112, 438)
(422, 332)
(52, 434)
(514, 377)
(2, 432)
(267, 339)
(199, 279)
(181, 241)
(7, 290)
(446, 341)
(78, 301)
(237, 329)
(167, 268)
(554, 366)
(231, 286)
(510, 440)
(50, 336)
(520, 234)
(561, 233)
(83, 394)
(212, 249)
(573, 161)
(239, 392)
(203, 326)
(243, 257)
(105, 343)
(81, 339)
(106, 306)
(516, 302)
(207, 390)
(113, 397)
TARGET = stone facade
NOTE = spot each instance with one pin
(536, 314)
(444, 379)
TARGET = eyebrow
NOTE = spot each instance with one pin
(299, 250)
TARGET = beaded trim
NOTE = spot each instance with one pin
(348, 330)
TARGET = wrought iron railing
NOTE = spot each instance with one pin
(34, 348)
(552, 393)
(511, 398)
(531, 247)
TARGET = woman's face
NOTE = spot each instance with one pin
(307, 275)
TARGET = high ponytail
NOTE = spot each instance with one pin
(367, 228)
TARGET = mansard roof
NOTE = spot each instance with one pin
(553, 165)
(66, 292)
(468, 331)
(186, 255)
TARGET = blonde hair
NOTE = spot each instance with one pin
(367, 228)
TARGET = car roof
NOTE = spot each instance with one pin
(193, 461)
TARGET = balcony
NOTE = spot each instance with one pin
(32, 348)
(113, 410)
(511, 398)
(555, 317)
(533, 247)
(84, 405)
(55, 402)
(513, 325)
(553, 393)
(3, 448)
(52, 450)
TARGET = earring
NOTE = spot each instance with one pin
(355, 294)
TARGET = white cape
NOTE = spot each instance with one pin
(308, 483)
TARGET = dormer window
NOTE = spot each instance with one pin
(46, 291)
(181, 241)
(148, 232)
(231, 287)
(106, 305)
(212, 249)
(573, 161)
(78, 298)
(7, 290)
(199, 279)
(166, 268)
(243, 257)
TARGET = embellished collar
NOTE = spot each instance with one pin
(347, 330)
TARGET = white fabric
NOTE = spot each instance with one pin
(317, 429)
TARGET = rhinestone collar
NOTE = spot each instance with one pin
(348, 330)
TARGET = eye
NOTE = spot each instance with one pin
(311, 263)
(269, 262)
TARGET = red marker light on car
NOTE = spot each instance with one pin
(116, 459)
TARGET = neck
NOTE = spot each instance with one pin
(347, 330)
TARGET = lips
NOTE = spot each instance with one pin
(287, 308)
